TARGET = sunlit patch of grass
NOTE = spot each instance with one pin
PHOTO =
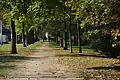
(54, 45)
(7, 47)
(29, 47)
(85, 49)
(3, 72)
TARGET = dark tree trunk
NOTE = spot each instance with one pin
(23, 33)
(13, 37)
(30, 38)
(26, 38)
(75, 39)
(70, 34)
(33, 36)
(49, 39)
(65, 36)
(61, 42)
(79, 37)
(36, 36)
(57, 40)
(43, 39)
(42, 35)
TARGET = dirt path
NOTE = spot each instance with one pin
(41, 66)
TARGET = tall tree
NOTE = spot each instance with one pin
(13, 37)
(70, 33)
(65, 35)
(12, 26)
(23, 33)
(79, 35)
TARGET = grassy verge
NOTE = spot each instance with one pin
(75, 48)
(6, 47)
(54, 45)
(7, 60)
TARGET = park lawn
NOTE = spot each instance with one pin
(7, 60)
(7, 47)
(74, 47)
(89, 64)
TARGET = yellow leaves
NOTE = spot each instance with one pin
(68, 3)
(89, 65)
(42, 20)
(90, 33)
(115, 33)
(22, 18)
(115, 18)
(83, 24)
(9, 14)
(113, 45)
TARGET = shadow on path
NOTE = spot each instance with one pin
(80, 55)
(4, 59)
(106, 68)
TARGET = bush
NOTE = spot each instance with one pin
(103, 43)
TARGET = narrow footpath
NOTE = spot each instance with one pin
(42, 65)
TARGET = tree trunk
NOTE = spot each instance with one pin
(1, 32)
(13, 37)
(70, 34)
(65, 36)
(30, 38)
(33, 36)
(36, 36)
(23, 32)
(61, 42)
(57, 40)
(79, 37)
(43, 39)
(26, 39)
(75, 39)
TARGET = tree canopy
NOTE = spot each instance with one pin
(100, 19)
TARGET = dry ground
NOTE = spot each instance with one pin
(42, 65)
(48, 64)
(91, 65)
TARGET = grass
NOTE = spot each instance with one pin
(54, 45)
(29, 47)
(7, 47)
(74, 47)
(7, 60)
(84, 48)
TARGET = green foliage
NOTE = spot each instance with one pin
(99, 18)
